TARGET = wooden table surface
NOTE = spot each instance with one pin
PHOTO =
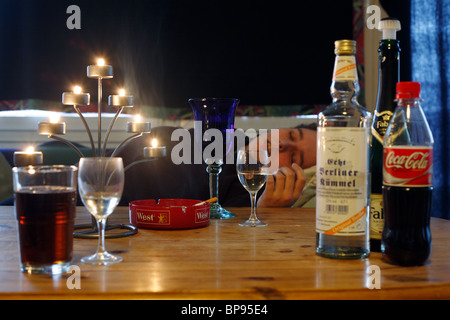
(226, 261)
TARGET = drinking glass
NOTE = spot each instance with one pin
(45, 204)
(100, 182)
(252, 168)
(215, 114)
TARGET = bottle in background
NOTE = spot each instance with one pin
(342, 191)
(388, 76)
(407, 181)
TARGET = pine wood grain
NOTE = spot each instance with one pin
(225, 261)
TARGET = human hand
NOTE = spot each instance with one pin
(283, 188)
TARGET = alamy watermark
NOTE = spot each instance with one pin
(221, 147)
(374, 17)
(74, 280)
(374, 277)
(74, 20)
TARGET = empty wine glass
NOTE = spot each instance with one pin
(100, 182)
(215, 113)
(252, 168)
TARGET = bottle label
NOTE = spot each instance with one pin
(380, 124)
(342, 181)
(345, 68)
(376, 216)
(409, 166)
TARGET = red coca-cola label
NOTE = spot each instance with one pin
(408, 166)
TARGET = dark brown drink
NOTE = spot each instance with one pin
(45, 217)
(406, 235)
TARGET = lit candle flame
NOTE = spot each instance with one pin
(29, 150)
(121, 92)
(154, 143)
(54, 118)
(137, 118)
(100, 62)
(77, 90)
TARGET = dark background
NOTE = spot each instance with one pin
(165, 52)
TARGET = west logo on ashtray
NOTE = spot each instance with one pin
(153, 216)
(163, 218)
(201, 215)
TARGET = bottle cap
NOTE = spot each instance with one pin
(407, 90)
(345, 47)
(389, 27)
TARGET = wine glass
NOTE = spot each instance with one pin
(252, 168)
(100, 182)
(215, 113)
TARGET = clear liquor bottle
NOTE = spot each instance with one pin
(343, 189)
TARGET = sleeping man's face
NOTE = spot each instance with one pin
(294, 145)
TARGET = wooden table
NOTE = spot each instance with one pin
(225, 261)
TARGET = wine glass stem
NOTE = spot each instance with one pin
(214, 170)
(101, 223)
(253, 208)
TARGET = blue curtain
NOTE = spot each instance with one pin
(430, 65)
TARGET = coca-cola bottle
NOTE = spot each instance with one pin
(407, 181)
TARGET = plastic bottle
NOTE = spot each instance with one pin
(407, 181)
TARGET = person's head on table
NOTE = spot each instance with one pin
(296, 151)
(297, 148)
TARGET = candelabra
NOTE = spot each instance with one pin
(54, 129)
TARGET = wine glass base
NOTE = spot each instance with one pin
(102, 259)
(252, 223)
(217, 212)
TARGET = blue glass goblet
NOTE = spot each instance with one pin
(218, 114)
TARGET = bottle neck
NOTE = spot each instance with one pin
(410, 109)
(388, 74)
(344, 86)
(409, 125)
(409, 103)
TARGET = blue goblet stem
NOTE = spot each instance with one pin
(216, 210)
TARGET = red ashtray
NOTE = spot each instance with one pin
(169, 214)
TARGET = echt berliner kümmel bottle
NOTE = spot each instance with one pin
(407, 181)
(342, 186)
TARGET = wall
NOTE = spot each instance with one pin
(18, 129)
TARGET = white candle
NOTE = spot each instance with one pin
(52, 127)
(100, 70)
(76, 98)
(28, 157)
(120, 100)
(137, 126)
(154, 151)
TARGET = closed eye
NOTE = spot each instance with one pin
(300, 133)
(291, 135)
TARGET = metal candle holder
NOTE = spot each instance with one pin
(77, 98)
(29, 157)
